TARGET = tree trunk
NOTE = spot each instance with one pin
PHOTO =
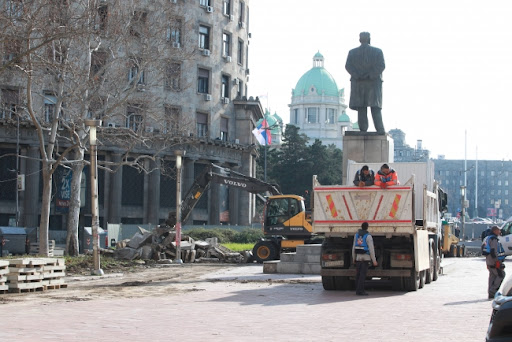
(45, 209)
(72, 244)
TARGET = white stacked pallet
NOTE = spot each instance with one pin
(25, 275)
(4, 269)
(54, 271)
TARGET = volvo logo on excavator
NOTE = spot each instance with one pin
(233, 183)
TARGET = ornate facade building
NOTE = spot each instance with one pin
(167, 69)
(318, 106)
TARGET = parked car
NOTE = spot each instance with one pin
(506, 236)
(500, 326)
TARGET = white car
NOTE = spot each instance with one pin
(506, 236)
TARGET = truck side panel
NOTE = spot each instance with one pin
(421, 252)
(340, 210)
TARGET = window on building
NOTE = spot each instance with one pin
(506, 202)
(58, 13)
(14, 9)
(242, 12)
(240, 55)
(240, 89)
(203, 80)
(204, 3)
(296, 116)
(224, 90)
(330, 116)
(492, 173)
(172, 120)
(98, 62)
(506, 183)
(134, 117)
(102, 22)
(202, 124)
(311, 115)
(57, 51)
(12, 49)
(138, 24)
(226, 8)
(204, 37)
(173, 77)
(10, 102)
(174, 33)
(499, 182)
(226, 44)
(50, 104)
(224, 129)
(506, 173)
(136, 74)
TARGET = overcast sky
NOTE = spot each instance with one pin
(448, 64)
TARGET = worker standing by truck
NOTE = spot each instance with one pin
(494, 256)
(362, 253)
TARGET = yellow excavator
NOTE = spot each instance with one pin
(450, 246)
(285, 225)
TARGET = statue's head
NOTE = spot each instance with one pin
(364, 37)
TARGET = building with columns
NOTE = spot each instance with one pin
(318, 106)
(202, 90)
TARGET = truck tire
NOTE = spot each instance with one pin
(453, 251)
(264, 251)
(397, 284)
(343, 283)
(328, 283)
(437, 269)
(431, 270)
(423, 276)
(413, 282)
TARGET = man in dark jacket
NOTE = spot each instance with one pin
(364, 177)
(363, 252)
(365, 65)
(494, 256)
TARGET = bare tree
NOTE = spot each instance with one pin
(93, 60)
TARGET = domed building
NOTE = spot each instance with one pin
(318, 106)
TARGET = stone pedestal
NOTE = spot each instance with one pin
(366, 147)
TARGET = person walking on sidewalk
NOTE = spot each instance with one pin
(363, 252)
(494, 256)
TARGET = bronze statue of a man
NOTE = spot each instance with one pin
(365, 65)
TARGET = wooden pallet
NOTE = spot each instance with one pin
(34, 248)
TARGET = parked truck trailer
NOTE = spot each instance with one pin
(404, 220)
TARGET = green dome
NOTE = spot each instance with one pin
(273, 120)
(343, 117)
(355, 126)
(317, 80)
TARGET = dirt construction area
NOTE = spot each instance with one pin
(222, 302)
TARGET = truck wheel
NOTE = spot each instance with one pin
(264, 251)
(413, 282)
(397, 284)
(437, 267)
(453, 250)
(328, 283)
(431, 270)
(342, 283)
(423, 276)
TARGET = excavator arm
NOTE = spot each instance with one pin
(217, 174)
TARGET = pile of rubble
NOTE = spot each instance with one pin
(160, 245)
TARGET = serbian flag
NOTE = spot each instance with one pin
(262, 133)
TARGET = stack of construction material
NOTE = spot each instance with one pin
(4, 269)
(25, 275)
(54, 271)
(34, 248)
(35, 274)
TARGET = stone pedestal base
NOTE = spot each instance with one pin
(366, 147)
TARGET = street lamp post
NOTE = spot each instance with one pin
(179, 154)
(93, 125)
(463, 209)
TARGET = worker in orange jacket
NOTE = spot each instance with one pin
(386, 177)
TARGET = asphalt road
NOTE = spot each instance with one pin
(242, 304)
